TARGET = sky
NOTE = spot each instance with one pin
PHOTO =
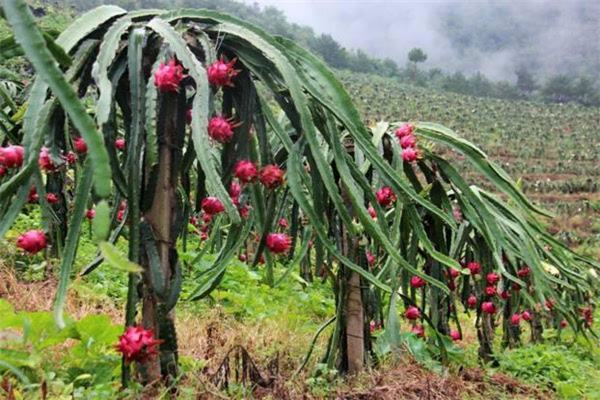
(555, 34)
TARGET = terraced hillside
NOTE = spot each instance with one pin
(554, 148)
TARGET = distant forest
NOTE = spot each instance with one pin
(558, 88)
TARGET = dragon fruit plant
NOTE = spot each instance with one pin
(180, 130)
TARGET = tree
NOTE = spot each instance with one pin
(525, 82)
(504, 90)
(558, 88)
(480, 86)
(586, 91)
(331, 51)
(456, 83)
(417, 55)
(390, 68)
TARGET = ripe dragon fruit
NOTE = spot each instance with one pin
(488, 307)
(409, 154)
(271, 176)
(412, 313)
(455, 335)
(417, 282)
(405, 130)
(563, 323)
(524, 272)
(80, 145)
(120, 144)
(474, 267)
(472, 301)
(370, 258)
(419, 330)
(90, 214)
(220, 73)
(408, 141)
(372, 212)
(32, 197)
(51, 198)
(492, 278)
(220, 129)
(168, 77)
(137, 344)
(243, 210)
(245, 171)
(491, 291)
(234, 191)
(45, 161)
(278, 243)
(70, 158)
(212, 206)
(454, 273)
(385, 196)
(11, 157)
(32, 242)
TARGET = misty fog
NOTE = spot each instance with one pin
(496, 38)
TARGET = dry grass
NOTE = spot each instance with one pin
(410, 381)
(211, 335)
(39, 296)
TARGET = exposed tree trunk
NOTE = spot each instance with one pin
(161, 218)
(355, 311)
(537, 328)
(511, 332)
(485, 334)
(355, 340)
(55, 184)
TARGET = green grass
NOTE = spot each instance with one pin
(572, 370)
